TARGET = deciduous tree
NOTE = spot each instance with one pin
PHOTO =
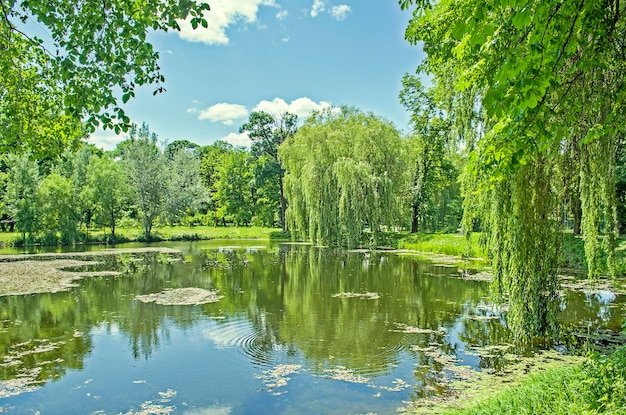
(528, 79)
(345, 171)
(267, 133)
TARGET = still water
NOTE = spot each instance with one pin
(297, 330)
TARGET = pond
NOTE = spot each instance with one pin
(286, 329)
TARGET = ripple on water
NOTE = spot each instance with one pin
(240, 334)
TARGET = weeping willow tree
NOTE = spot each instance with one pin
(536, 82)
(344, 173)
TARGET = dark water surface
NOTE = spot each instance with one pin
(299, 330)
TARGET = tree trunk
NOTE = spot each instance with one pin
(283, 204)
(415, 218)
(112, 229)
(578, 213)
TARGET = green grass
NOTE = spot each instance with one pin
(545, 384)
(593, 387)
(556, 391)
(168, 233)
(443, 243)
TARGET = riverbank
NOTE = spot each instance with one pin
(164, 233)
(548, 385)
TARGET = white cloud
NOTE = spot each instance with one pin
(340, 12)
(318, 7)
(223, 14)
(238, 139)
(224, 112)
(105, 139)
(285, 39)
(302, 107)
(192, 110)
(282, 15)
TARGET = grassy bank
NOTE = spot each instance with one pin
(596, 385)
(164, 233)
(443, 243)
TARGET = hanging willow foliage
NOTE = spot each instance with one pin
(549, 82)
(344, 172)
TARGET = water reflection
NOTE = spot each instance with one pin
(388, 327)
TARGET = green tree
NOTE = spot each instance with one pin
(32, 113)
(210, 161)
(233, 186)
(74, 165)
(432, 145)
(181, 145)
(184, 189)
(95, 50)
(147, 174)
(344, 171)
(265, 172)
(21, 193)
(527, 80)
(57, 205)
(107, 190)
(267, 133)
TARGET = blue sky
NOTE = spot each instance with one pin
(275, 55)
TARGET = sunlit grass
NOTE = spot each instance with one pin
(166, 233)
(443, 243)
(556, 391)
(596, 386)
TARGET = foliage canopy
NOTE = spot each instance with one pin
(344, 172)
(523, 81)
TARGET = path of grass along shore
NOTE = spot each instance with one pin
(454, 244)
(164, 233)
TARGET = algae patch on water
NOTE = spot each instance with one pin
(155, 407)
(346, 375)
(278, 377)
(29, 277)
(363, 296)
(181, 296)
(53, 272)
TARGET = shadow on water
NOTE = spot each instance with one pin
(367, 330)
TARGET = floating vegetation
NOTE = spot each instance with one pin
(404, 328)
(29, 277)
(168, 395)
(345, 374)
(165, 258)
(27, 378)
(484, 276)
(485, 317)
(254, 249)
(590, 286)
(278, 377)
(363, 296)
(54, 272)
(159, 408)
(181, 296)
(24, 382)
(488, 351)
(399, 385)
